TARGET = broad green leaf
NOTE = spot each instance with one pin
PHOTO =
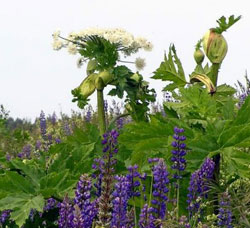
(243, 116)
(171, 70)
(54, 180)
(31, 170)
(21, 204)
(20, 182)
(225, 90)
(238, 162)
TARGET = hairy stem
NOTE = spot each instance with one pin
(101, 112)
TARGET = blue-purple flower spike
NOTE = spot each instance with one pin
(4, 216)
(133, 179)
(106, 166)
(43, 127)
(83, 202)
(225, 213)
(146, 218)
(199, 186)
(160, 190)
(65, 214)
(178, 153)
(120, 202)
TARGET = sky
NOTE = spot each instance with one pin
(34, 77)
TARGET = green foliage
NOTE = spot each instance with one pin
(138, 95)
(26, 184)
(104, 52)
(171, 70)
(224, 25)
(79, 98)
(21, 204)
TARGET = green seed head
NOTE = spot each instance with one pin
(215, 46)
(199, 56)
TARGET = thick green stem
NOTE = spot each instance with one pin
(214, 77)
(214, 73)
(101, 112)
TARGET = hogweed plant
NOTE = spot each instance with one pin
(185, 165)
(103, 50)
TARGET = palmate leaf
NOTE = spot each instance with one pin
(171, 70)
(21, 204)
(225, 90)
(152, 139)
(224, 137)
(237, 161)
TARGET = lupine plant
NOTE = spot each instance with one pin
(185, 164)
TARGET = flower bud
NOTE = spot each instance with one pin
(99, 84)
(199, 56)
(91, 67)
(87, 87)
(136, 77)
(106, 77)
(215, 46)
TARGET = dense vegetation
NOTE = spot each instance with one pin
(185, 163)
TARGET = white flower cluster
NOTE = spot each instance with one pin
(115, 36)
(118, 35)
(57, 44)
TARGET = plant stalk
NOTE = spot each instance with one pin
(214, 73)
(101, 112)
(214, 77)
(178, 197)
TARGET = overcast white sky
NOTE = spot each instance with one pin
(33, 77)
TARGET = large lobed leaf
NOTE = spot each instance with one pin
(171, 70)
(21, 204)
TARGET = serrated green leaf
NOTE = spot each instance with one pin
(237, 161)
(225, 90)
(20, 182)
(171, 70)
(21, 204)
(243, 116)
(235, 136)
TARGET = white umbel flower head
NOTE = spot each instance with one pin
(57, 44)
(72, 49)
(148, 46)
(140, 63)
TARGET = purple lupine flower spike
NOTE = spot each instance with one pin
(51, 204)
(67, 129)
(43, 127)
(146, 218)
(110, 148)
(65, 214)
(4, 216)
(178, 153)
(83, 202)
(88, 115)
(225, 212)
(53, 119)
(199, 186)
(133, 179)
(160, 190)
(120, 202)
